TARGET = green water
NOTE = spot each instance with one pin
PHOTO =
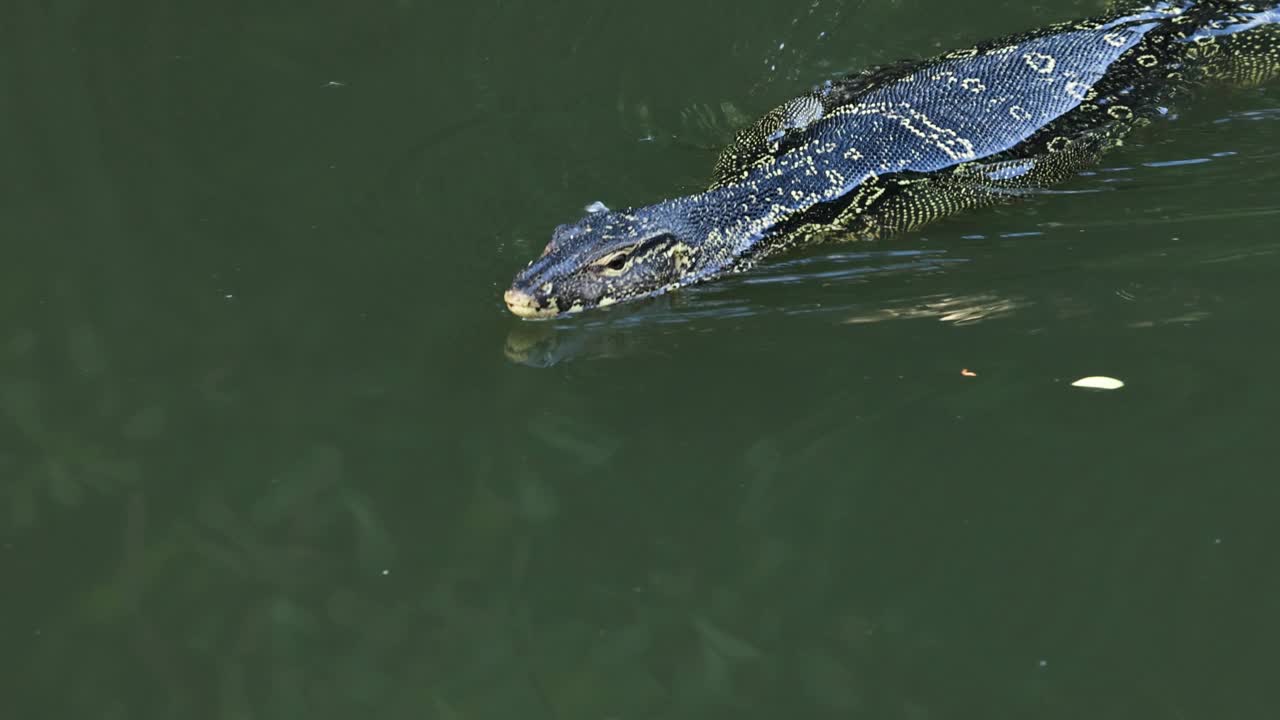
(271, 447)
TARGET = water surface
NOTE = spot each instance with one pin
(272, 447)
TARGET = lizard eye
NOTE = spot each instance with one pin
(615, 262)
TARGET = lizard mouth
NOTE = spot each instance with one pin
(524, 305)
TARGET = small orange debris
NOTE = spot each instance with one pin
(968, 373)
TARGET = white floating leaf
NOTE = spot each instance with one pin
(1098, 382)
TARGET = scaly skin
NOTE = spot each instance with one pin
(892, 148)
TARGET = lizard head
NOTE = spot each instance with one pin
(609, 257)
